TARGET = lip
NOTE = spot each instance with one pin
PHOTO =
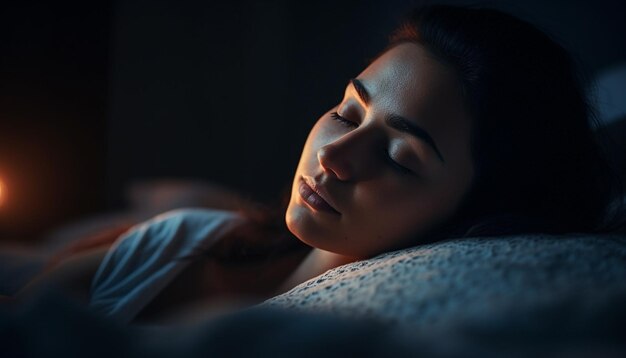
(315, 196)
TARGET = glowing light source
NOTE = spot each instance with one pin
(2, 192)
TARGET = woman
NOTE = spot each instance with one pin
(471, 122)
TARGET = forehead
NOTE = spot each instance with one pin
(408, 81)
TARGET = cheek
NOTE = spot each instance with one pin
(383, 211)
(391, 191)
(403, 212)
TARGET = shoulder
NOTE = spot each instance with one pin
(173, 234)
(195, 217)
(181, 227)
(144, 260)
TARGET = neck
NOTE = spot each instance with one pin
(316, 263)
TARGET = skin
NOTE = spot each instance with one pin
(381, 208)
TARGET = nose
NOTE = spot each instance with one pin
(348, 157)
(333, 163)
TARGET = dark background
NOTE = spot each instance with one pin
(95, 95)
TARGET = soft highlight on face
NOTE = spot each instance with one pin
(393, 158)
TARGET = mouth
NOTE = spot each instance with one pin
(315, 196)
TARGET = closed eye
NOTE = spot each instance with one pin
(343, 120)
(397, 166)
(351, 124)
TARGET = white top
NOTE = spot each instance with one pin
(142, 262)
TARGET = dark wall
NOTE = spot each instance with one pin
(96, 95)
(227, 92)
(53, 87)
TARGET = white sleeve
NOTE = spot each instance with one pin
(147, 258)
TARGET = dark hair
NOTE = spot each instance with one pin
(538, 167)
(535, 154)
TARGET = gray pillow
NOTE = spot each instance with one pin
(457, 282)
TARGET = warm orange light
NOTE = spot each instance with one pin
(2, 192)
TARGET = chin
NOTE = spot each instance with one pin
(294, 222)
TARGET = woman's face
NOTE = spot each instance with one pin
(387, 164)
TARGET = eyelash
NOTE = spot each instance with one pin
(347, 123)
(343, 120)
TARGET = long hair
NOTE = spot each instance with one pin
(535, 154)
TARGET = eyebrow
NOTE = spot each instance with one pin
(398, 122)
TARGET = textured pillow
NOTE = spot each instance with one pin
(459, 281)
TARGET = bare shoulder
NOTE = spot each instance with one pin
(72, 276)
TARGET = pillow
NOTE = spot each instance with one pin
(450, 283)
